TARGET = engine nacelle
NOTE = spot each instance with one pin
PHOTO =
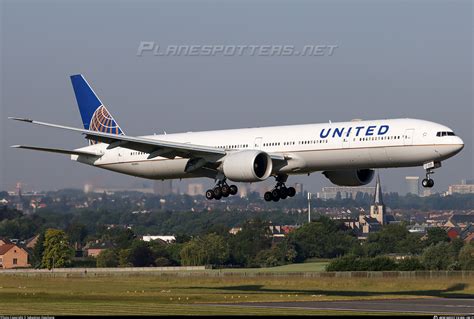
(247, 166)
(353, 177)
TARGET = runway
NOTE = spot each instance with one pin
(415, 306)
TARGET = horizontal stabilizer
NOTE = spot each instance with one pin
(57, 150)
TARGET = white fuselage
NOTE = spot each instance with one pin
(307, 148)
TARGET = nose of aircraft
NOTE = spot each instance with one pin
(458, 145)
(451, 147)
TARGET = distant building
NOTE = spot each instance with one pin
(112, 191)
(469, 238)
(167, 239)
(418, 229)
(427, 192)
(12, 256)
(377, 209)
(331, 192)
(281, 231)
(143, 211)
(88, 188)
(276, 231)
(195, 189)
(242, 191)
(93, 249)
(466, 233)
(235, 230)
(453, 232)
(461, 189)
(299, 189)
(163, 188)
(377, 218)
(459, 220)
(31, 242)
(413, 185)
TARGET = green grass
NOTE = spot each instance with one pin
(191, 293)
(304, 267)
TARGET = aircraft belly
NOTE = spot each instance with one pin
(334, 159)
(378, 155)
(375, 157)
(411, 155)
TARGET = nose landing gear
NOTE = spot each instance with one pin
(429, 167)
(221, 190)
(427, 182)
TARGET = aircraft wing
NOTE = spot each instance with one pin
(57, 150)
(151, 146)
(154, 147)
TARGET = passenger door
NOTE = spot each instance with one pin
(408, 136)
(258, 143)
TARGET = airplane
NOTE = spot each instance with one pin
(345, 152)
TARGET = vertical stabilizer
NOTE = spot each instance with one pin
(94, 114)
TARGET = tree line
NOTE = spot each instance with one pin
(254, 246)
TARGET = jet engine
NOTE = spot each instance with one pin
(353, 177)
(247, 166)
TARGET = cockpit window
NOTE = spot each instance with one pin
(445, 134)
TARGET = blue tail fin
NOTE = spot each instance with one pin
(95, 115)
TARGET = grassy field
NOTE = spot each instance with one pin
(173, 294)
(304, 267)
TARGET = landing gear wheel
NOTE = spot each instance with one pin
(280, 191)
(268, 196)
(275, 194)
(283, 193)
(424, 182)
(427, 183)
(225, 190)
(233, 189)
(222, 189)
(217, 192)
(210, 194)
(291, 191)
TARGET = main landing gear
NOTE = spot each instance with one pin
(429, 167)
(221, 190)
(280, 191)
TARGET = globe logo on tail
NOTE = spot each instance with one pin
(102, 121)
